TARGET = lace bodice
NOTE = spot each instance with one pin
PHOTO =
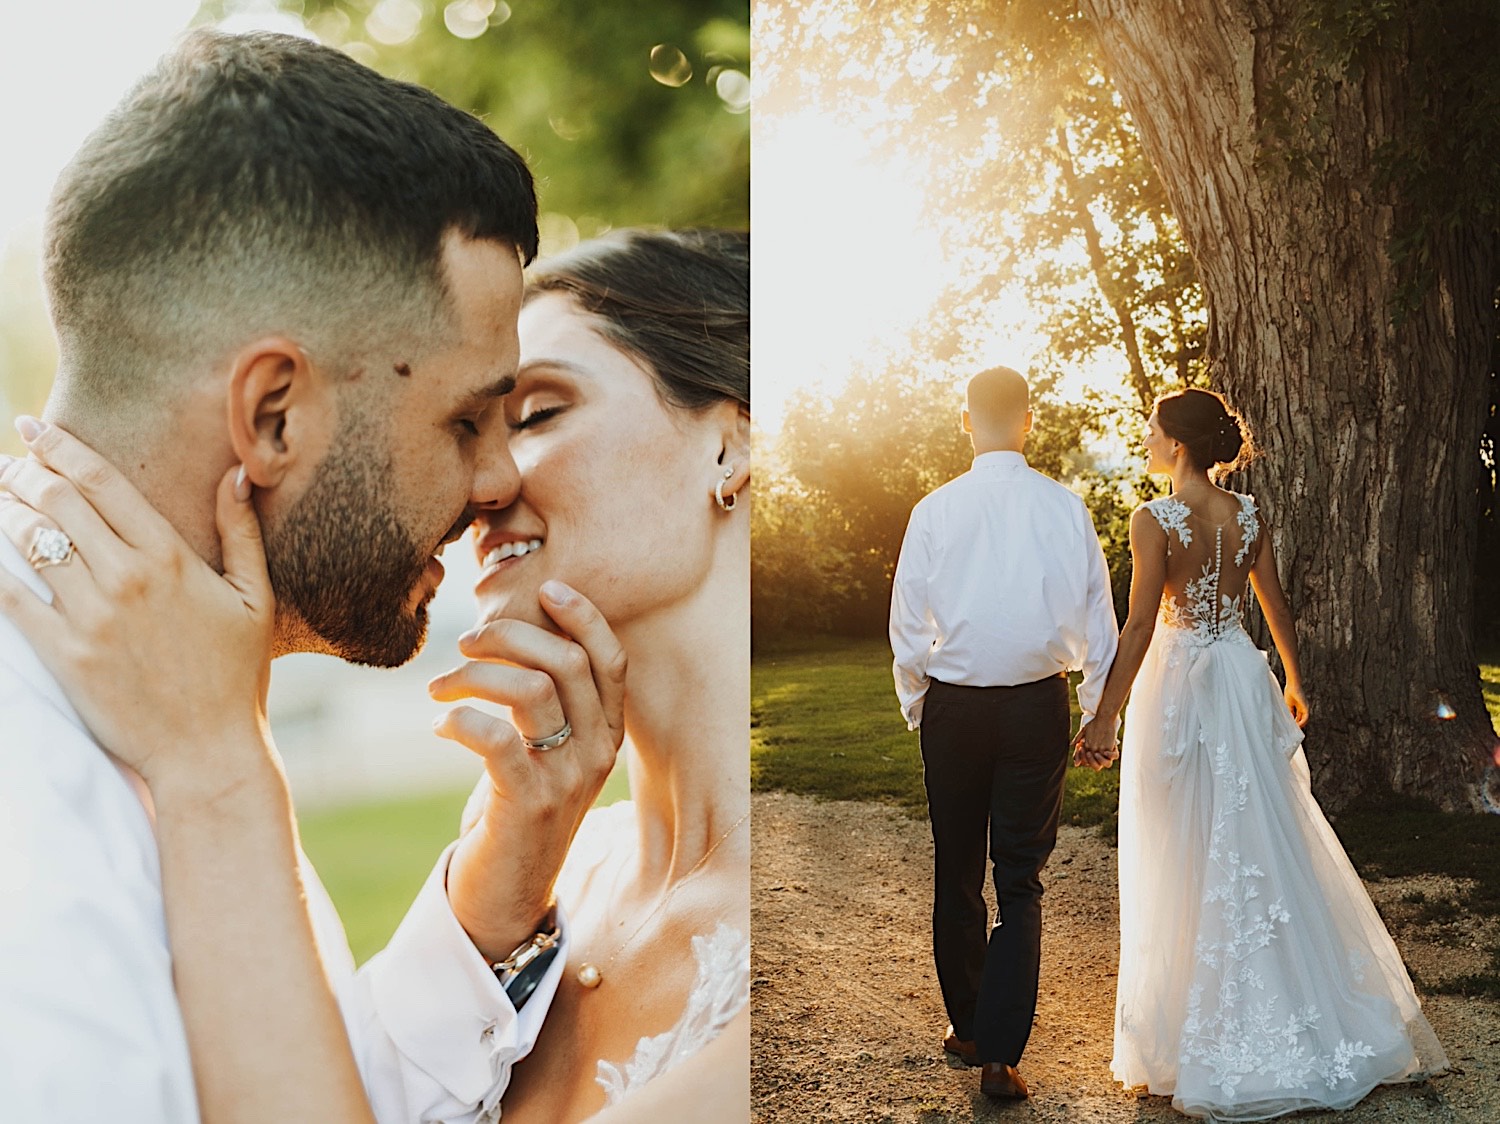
(1208, 566)
(721, 986)
(720, 991)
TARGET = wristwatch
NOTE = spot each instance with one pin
(521, 971)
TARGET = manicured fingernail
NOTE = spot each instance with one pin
(242, 485)
(558, 593)
(30, 428)
(468, 637)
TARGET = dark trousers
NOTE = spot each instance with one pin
(994, 760)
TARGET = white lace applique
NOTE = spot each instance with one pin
(1357, 962)
(1241, 1036)
(720, 991)
(1249, 528)
(1172, 514)
(1208, 614)
(1200, 616)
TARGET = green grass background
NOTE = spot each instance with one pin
(374, 856)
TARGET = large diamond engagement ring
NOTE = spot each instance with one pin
(554, 741)
(50, 548)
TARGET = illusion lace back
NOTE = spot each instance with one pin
(1256, 978)
(721, 987)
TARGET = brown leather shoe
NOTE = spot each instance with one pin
(997, 1079)
(962, 1049)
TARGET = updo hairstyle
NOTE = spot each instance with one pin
(677, 299)
(1215, 436)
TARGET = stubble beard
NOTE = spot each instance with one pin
(342, 563)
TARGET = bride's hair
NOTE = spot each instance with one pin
(679, 299)
(1214, 434)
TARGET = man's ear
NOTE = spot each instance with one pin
(278, 409)
(1026, 426)
(964, 422)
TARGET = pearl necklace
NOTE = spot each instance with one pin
(590, 975)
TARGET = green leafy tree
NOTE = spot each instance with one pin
(1035, 176)
(628, 113)
(1334, 168)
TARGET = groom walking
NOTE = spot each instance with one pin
(1001, 589)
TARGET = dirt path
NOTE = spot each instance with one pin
(847, 1015)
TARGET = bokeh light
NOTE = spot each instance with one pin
(394, 22)
(670, 66)
(556, 232)
(468, 19)
(733, 88)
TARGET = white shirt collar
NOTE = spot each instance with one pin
(1000, 458)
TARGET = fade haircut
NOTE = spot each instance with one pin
(262, 183)
(997, 398)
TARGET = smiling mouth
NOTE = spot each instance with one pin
(509, 550)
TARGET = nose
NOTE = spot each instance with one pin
(497, 481)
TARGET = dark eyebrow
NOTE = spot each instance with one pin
(478, 399)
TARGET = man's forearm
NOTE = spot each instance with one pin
(254, 996)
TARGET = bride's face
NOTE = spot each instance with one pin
(1158, 446)
(616, 487)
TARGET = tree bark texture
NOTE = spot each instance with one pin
(1370, 427)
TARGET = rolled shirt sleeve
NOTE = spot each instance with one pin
(1100, 627)
(912, 628)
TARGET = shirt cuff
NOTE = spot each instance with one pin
(912, 712)
(440, 1003)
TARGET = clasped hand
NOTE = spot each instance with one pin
(1095, 745)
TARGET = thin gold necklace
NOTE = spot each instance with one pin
(591, 976)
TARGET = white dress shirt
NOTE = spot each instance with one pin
(1001, 581)
(89, 1023)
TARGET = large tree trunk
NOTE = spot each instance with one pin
(1370, 428)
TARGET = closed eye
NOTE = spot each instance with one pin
(536, 417)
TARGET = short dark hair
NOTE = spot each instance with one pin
(1214, 434)
(264, 183)
(679, 299)
(997, 397)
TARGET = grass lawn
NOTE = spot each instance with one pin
(824, 722)
(374, 857)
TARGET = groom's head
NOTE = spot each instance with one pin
(997, 410)
(270, 254)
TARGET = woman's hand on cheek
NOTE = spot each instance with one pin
(165, 660)
(502, 874)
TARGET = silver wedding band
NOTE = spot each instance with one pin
(50, 547)
(554, 741)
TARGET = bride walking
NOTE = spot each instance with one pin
(1256, 978)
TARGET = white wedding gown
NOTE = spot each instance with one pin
(1255, 977)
